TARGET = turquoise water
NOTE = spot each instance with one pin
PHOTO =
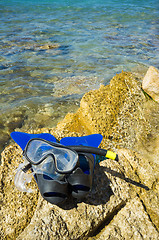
(52, 52)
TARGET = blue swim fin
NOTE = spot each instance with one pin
(22, 138)
(93, 140)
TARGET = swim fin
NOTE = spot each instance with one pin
(22, 138)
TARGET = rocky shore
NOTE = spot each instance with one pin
(123, 203)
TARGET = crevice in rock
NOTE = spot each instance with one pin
(144, 206)
(107, 220)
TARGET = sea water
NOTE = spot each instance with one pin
(53, 51)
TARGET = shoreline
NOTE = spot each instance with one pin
(32, 117)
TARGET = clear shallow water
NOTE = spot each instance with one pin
(52, 52)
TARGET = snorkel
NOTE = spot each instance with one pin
(22, 178)
(59, 168)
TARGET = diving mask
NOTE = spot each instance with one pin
(57, 157)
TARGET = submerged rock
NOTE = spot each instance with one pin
(49, 46)
(124, 200)
(3, 67)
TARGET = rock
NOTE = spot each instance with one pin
(124, 200)
(74, 85)
(49, 46)
(119, 111)
(74, 223)
(17, 208)
(150, 83)
(131, 222)
(3, 67)
(143, 173)
(116, 201)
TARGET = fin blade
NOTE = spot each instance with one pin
(93, 140)
(22, 138)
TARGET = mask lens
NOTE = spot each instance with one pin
(47, 168)
(37, 150)
(65, 159)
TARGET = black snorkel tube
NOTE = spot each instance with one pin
(96, 151)
(87, 149)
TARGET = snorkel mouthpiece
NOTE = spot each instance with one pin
(21, 178)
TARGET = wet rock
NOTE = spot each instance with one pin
(8, 122)
(15, 123)
(2, 67)
(75, 85)
(4, 138)
(150, 83)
